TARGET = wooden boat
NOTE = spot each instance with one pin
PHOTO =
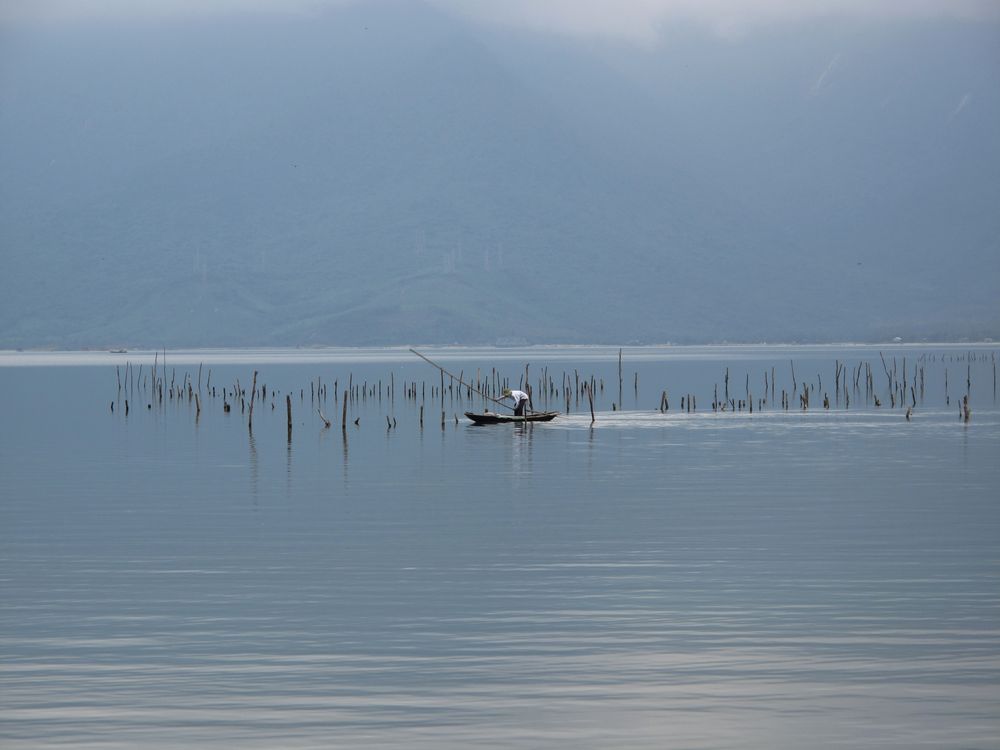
(489, 418)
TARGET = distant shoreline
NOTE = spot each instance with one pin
(401, 353)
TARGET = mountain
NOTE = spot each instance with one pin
(389, 174)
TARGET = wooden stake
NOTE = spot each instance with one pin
(253, 397)
(619, 376)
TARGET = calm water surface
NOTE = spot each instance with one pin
(701, 580)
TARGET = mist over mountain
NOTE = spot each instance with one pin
(392, 173)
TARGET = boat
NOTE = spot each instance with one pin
(490, 418)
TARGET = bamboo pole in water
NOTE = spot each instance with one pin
(253, 397)
(619, 377)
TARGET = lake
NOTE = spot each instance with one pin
(657, 577)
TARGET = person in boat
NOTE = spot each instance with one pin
(520, 398)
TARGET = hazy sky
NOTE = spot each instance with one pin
(633, 19)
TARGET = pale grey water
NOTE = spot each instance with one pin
(659, 580)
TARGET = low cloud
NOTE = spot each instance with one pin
(640, 20)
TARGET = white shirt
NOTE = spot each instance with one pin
(518, 396)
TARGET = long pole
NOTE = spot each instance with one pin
(495, 401)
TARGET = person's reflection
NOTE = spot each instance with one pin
(521, 450)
